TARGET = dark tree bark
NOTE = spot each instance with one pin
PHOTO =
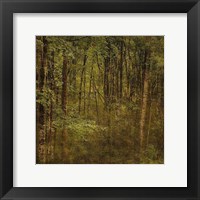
(52, 87)
(42, 138)
(42, 78)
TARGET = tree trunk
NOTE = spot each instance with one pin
(96, 100)
(144, 105)
(149, 125)
(64, 85)
(106, 82)
(90, 87)
(84, 92)
(42, 139)
(81, 83)
(64, 107)
(52, 86)
(121, 70)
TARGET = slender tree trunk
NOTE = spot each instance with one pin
(149, 125)
(84, 91)
(106, 82)
(52, 87)
(117, 79)
(90, 87)
(74, 71)
(96, 99)
(74, 83)
(144, 105)
(64, 107)
(55, 143)
(121, 70)
(127, 79)
(38, 64)
(42, 138)
(81, 83)
(113, 83)
(64, 85)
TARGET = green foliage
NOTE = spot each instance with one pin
(89, 121)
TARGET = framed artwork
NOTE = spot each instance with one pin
(99, 99)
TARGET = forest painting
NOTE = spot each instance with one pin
(100, 99)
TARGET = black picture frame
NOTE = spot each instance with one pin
(8, 7)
